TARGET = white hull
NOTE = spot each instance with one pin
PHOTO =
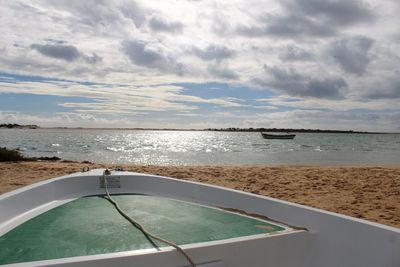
(331, 240)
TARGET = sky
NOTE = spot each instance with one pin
(326, 64)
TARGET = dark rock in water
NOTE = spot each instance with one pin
(68, 161)
(54, 158)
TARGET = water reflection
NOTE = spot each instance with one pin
(202, 147)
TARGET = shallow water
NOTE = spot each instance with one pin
(203, 147)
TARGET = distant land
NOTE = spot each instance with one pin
(18, 126)
(230, 129)
(287, 130)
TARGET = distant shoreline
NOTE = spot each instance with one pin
(18, 126)
(285, 130)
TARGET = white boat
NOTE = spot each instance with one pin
(67, 221)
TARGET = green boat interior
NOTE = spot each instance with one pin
(91, 225)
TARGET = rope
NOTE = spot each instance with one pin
(148, 234)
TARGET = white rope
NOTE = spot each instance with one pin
(141, 227)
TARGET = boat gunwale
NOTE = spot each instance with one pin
(124, 173)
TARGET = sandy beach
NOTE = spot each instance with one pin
(371, 193)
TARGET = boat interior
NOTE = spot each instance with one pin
(70, 221)
(91, 225)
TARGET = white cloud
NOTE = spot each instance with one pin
(337, 120)
(343, 52)
(334, 105)
(98, 28)
(112, 100)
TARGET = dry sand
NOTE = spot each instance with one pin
(371, 193)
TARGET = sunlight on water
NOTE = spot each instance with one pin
(203, 147)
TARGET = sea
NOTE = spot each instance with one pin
(155, 147)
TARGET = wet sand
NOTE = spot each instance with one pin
(371, 193)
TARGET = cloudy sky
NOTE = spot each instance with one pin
(328, 64)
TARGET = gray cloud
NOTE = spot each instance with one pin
(59, 51)
(325, 88)
(151, 56)
(222, 72)
(140, 54)
(303, 18)
(296, 84)
(92, 59)
(70, 53)
(159, 24)
(332, 12)
(55, 41)
(294, 53)
(213, 52)
(133, 11)
(292, 26)
(220, 24)
(100, 14)
(90, 12)
(352, 53)
(284, 75)
(388, 90)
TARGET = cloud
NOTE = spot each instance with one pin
(315, 119)
(94, 13)
(151, 55)
(114, 99)
(325, 88)
(134, 11)
(159, 24)
(388, 89)
(95, 18)
(222, 72)
(65, 52)
(295, 53)
(92, 59)
(309, 18)
(292, 26)
(284, 75)
(331, 52)
(352, 53)
(66, 119)
(59, 51)
(332, 12)
(293, 83)
(341, 105)
(213, 52)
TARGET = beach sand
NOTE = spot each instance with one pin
(371, 193)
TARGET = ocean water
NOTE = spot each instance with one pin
(203, 147)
